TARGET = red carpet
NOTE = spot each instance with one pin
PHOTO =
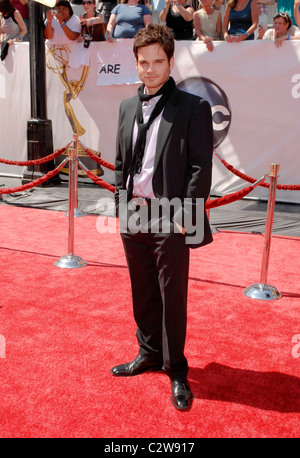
(62, 330)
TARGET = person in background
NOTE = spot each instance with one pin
(286, 6)
(156, 7)
(297, 12)
(105, 8)
(126, 19)
(92, 23)
(12, 26)
(207, 23)
(22, 6)
(240, 20)
(179, 18)
(283, 30)
(64, 26)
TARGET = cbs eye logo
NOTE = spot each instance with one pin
(220, 107)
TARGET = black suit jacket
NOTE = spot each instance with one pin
(183, 159)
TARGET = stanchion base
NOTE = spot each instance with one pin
(214, 229)
(262, 292)
(70, 262)
(77, 213)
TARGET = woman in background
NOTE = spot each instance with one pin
(240, 20)
(12, 25)
(126, 19)
(179, 18)
(64, 26)
(92, 23)
(282, 30)
(22, 6)
(207, 23)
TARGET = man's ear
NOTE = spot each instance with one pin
(172, 62)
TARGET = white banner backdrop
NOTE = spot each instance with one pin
(253, 88)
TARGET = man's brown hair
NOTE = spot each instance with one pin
(154, 34)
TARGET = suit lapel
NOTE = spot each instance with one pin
(129, 117)
(168, 116)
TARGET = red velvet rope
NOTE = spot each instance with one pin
(100, 181)
(229, 198)
(32, 184)
(282, 187)
(208, 205)
(98, 159)
(42, 160)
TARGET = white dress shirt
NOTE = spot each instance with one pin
(142, 182)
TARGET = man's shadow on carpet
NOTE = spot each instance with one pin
(263, 390)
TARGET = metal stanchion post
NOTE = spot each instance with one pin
(262, 290)
(77, 212)
(214, 230)
(71, 261)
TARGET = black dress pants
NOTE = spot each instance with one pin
(158, 266)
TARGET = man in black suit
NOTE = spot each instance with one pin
(163, 176)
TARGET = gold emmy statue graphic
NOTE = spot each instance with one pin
(58, 62)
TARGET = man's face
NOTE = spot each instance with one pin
(153, 67)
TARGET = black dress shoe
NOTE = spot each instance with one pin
(182, 397)
(137, 366)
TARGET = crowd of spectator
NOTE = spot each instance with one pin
(12, 26)
(203, 20)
